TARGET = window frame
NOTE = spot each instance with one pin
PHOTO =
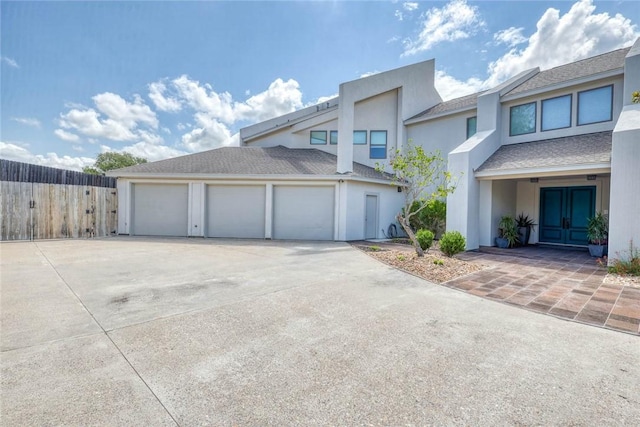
(317, 143)
(371, 145)
(476, 126)
(535, 118)
(570, 96)
(366, 140)
(610, 106)
(331, 134)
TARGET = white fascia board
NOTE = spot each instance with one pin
(177, 177)
(564, 84)
(315, 120)
(593, 168)
(439, 115)
(290, 123)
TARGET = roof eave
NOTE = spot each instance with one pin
(564, 84)
(546, 171)
(248, 177)
(440, 115)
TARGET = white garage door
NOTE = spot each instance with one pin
(303, 213)
(160, 209)
(236, 211)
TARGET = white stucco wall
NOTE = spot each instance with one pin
(379, 112)
(624, 215)
(444, 134)
(389, 204)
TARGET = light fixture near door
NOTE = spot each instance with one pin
(591, 177)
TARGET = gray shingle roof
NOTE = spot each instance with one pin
(591, 148)
(450, 105)
(251, 161)
(575, 70)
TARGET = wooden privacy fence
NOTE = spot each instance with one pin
(37, 210)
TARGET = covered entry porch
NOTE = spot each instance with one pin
(557, 183)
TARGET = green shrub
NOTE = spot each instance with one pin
(452, 242)
(433, 217)
(438, 262)
(425, 238)
(375, 248)
(401, 257)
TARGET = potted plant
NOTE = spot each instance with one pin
(525, 226)
(597, 233)
(507, 232)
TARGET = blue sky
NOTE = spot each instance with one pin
(160, 79)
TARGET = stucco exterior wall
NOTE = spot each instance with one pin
(444, 134)
(624, 224)
(389, 204)
(379, 112)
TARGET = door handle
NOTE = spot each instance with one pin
(565, 223)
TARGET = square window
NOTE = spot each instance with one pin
(595, 105)
(522, 119)
(359, 137)
(318, 137)
(333, 137)
(472, 123)
(378, 147)
(556, 113)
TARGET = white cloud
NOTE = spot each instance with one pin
(210, 134)
(126, 113)
(511, 36)
(398, 14)
(578, 34)
(66, 136)
(369, 73)
(22, 154)
(29, 121)
(280, 98)
(449, 87)
(122, 120)
(10, 61)
(455, 21)
(215, 113)
(410, 6)
(162, 103)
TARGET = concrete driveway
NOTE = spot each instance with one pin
(130, 331)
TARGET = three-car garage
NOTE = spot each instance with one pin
(261, 210)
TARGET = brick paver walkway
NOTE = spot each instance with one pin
(564, 283)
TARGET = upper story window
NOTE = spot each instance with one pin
(556, 113)
(378, 148)
(472, 124)
(595, 105)
(359, 137)
(318, 137)
(333, 137)
(522, 119)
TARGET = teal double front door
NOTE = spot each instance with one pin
(564, 212)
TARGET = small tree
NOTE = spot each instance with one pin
(423, 177)
(112, 160)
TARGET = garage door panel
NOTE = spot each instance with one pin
(236, 211)
(160, 209)
(303, 213)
